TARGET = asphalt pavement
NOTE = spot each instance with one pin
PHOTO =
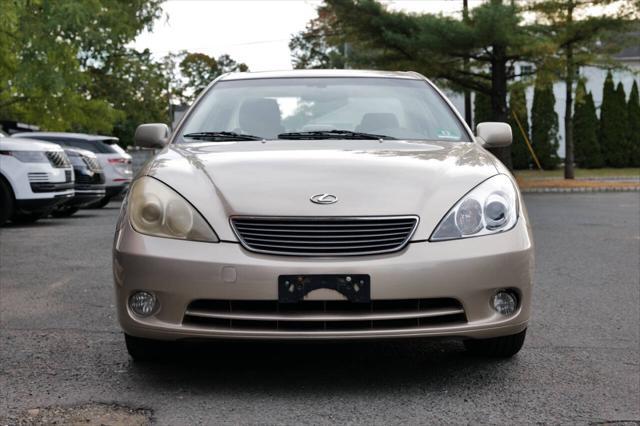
(60, 345)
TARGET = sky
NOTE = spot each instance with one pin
(256, 32)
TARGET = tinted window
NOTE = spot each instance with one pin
(401, 108)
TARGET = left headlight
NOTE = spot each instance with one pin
(28, 156)
(155, 209)
(489, 208)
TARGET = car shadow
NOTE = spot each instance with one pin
(308, 368)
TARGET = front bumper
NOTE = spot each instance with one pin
(180, 272)
(43, 205)
(87, 194)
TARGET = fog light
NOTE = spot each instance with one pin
(505, 302)
(142, 303)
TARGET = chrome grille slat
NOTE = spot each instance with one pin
(325, 231)
(318, 317)
(301, 241)
(324, 236)
(239, 315)
(38, 177)
(325, 226)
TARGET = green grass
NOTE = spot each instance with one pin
(559, 173)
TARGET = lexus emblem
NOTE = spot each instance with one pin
(324, 199)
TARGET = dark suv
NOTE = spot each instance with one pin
(89, 182)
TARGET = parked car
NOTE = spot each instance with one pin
(35, 177)
(323, 205)
(89, 182)
(115, 162)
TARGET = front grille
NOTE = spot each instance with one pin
(332, 236)
(92, 163)
(320, 316)
(58, 159)
(96, 178)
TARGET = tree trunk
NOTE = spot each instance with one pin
(467, 93)
(499, 98)
(568, 112)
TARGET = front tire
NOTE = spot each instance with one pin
(26, 218)
(497, 347)
(144, 350)
(6, 202)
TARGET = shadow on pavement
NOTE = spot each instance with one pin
(309, 367)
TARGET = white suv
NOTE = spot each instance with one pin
(115, 162)
(35, 177)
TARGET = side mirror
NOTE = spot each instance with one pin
(153, 135)
(494, 135)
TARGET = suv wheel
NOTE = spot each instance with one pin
(142, 350)
(25, 218)
(6, 202)
(499, 347)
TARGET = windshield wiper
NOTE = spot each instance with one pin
(332, 134)
(222, 136)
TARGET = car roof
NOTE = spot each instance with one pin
(322, 73)
(77, 136)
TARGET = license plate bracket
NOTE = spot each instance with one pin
(293, 288)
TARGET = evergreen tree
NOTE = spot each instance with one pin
(520, 156)
(481, 108)
(633, 118)
(544, 125)
(585, 130)
(613, 125)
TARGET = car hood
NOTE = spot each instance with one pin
(277, 178)
(23, 144)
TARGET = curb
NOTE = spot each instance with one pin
(583, 189)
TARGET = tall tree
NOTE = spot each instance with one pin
(481, 109)
(585, 130)
(45, 48)
(576, 33)
(633, 118)
(520, 156)
(612, 132)
(320, 44)
(135, 85)
(197, 70)
(477, 53)
(544, 125)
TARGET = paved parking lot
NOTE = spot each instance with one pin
(60, 344)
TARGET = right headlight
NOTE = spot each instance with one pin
(489, 208)
(155, 209)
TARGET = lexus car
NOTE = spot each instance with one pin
(323, 205)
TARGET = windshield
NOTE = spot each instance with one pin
(271, 108)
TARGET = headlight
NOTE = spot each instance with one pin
(28, 156)
(155, 209)
(489, 208)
